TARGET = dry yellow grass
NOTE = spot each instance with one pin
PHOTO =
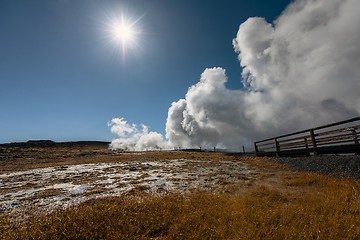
(281, 205)
(326, 208)
(60, 156)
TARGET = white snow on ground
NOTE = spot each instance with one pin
(48, 188)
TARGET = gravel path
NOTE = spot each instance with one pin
(339, 166)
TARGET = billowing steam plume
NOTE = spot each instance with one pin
(133, 137)
(301, 71)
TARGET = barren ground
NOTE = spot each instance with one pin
(85, 191)
(43, 178)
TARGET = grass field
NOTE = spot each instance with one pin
(279, 204)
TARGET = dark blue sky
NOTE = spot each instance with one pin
(62, 78)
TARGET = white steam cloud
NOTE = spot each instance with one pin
(210, 115)
(300, 71)
(134, 138)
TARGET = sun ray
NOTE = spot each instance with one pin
(121, 32)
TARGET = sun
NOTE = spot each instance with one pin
(123, 32)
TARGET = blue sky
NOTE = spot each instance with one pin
(62, 78)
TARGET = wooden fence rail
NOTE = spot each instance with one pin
(339, 137)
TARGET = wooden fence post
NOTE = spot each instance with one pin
(277, 146)
(313, 141)
(256, 149)
(307, 146)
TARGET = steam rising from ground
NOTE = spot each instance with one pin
(301, 71)
(133, 137)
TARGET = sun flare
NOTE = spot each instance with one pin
(123, 32)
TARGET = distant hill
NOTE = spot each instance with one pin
(50, 143)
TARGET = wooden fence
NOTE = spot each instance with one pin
(339, 137)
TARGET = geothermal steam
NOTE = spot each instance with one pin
(133, 137)
(301, 71)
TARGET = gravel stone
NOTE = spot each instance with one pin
(335, 165)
